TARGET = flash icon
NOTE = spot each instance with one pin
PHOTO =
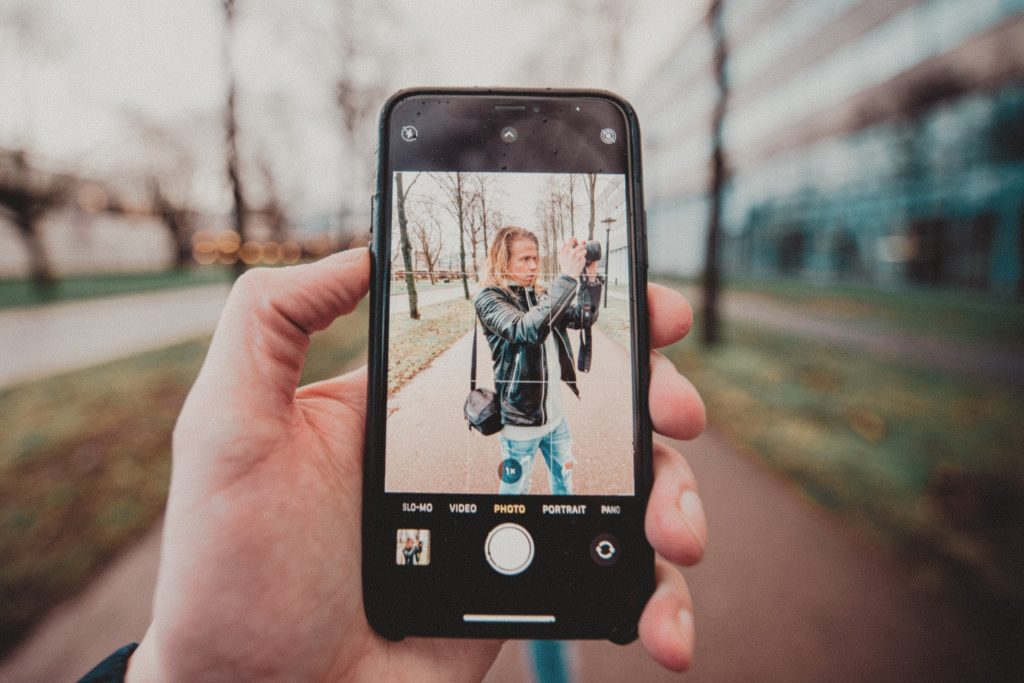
(409, 133)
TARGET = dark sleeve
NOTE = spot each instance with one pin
(593, 291)
(112, 669)
(509, 322)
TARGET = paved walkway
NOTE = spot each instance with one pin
(46, 340)
(786, 593)
(43, 341)
(437, 453)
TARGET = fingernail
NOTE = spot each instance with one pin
(693, 515)
(686, 622)
(352, 254)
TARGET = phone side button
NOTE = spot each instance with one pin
(509, 549)
(374, 201)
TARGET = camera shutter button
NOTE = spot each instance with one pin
(509, 549)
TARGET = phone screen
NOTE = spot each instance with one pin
(565, 431)
(509, 260)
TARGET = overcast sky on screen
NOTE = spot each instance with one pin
(66, 90)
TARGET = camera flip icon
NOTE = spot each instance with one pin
(604, 550)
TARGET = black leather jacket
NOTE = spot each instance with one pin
(516, 326)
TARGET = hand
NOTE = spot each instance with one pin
(591, 271)
(260, 567)
(572, 256)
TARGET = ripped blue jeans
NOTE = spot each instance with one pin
(556, 447)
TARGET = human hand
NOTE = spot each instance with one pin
(260, 567)
(572, 256)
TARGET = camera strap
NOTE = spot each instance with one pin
(586, 306)
(472, 367)
(586, 350)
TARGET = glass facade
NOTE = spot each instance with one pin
(876, 142)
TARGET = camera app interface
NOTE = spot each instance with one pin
(509, 365)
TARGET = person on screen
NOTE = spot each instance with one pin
(525, 327)
(411, 551)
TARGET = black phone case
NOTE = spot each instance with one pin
(376, 593)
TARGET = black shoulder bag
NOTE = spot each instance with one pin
(482, 410)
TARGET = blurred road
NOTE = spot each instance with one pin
(46, 340)
(786, 593)
(437, 453)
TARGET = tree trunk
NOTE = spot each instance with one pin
(711, 329)
(403, 229)
(462, 227)
(483, 220)
(591, 185)
(39, 260)
(231, 129)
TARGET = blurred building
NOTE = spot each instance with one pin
(879, 141)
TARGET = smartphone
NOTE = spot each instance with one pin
(509, 257)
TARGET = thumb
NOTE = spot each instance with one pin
(258, 350)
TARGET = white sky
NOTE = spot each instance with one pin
(69, 87)
(516, 196)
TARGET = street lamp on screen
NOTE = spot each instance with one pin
(607, 254)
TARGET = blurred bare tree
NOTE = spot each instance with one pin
(26, 195)
(171, 163)
(348, 44)
(588, 39)
(710, 329)
(239, 206)
(30, 34)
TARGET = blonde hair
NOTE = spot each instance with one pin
(499, 252)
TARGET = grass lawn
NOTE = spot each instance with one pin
(958, 315)
(398, 286)
(85, 461)
(924, 460)
(613, 319)
(15, 293)
(414, 343)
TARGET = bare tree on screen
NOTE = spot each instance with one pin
(481, 192)
(402, 195)
(590, 185)
(429, 239)
(456, 191)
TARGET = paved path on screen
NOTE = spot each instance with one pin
(432, 451)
